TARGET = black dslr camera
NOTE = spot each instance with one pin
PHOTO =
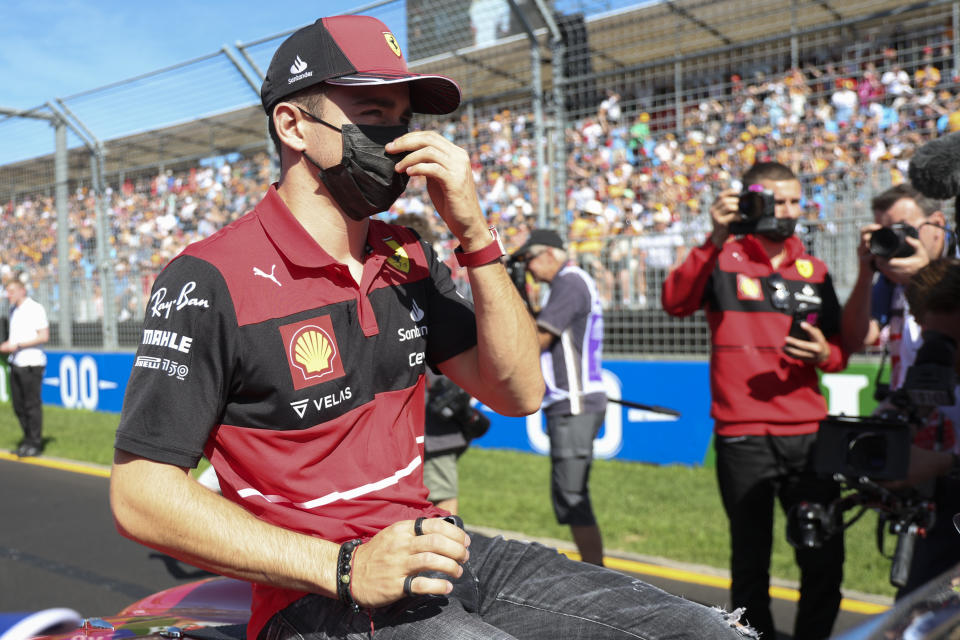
(891, 242)
(450, 402)
(754, 204)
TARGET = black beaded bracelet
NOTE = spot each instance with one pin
(345, 573)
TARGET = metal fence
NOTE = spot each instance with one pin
(650, 110)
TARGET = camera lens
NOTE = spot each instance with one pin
(884, 242)
(891, 242)
(751, 205)
(867, 453)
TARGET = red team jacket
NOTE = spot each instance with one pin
(756, 388)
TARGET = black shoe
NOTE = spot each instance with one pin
(28, 451)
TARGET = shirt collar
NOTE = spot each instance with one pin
(297, 246)
(793, 249)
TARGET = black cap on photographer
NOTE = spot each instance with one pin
(546, 237)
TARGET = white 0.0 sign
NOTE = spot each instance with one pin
(79, 383)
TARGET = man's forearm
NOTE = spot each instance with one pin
(508, 354)
(161, 507)
(855, 321)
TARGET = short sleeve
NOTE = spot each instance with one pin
(452, 324)
(569, 299)
(182, 371)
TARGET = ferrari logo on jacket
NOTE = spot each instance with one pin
(805, 268)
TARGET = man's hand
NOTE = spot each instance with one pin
(381, 566)
(449, 183)
(724, 210)
(900, 270)
(924, 465)
(863, 249)
(7, 347)
(816, 350)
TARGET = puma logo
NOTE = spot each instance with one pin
(269, 276)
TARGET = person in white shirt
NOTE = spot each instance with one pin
(28, 330)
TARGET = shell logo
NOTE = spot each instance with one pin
(748, 288)
(312, 352)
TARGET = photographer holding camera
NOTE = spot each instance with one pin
(570, 330)
(909, 231)
(774, 320)
(933, 296)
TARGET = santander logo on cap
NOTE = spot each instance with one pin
(298, 66)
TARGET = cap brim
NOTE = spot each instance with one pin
(428, 94)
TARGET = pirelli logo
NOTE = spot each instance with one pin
(312, 352)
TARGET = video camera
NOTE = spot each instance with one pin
(891, 242)
(861, 452)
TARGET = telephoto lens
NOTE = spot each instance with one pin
(891, 242)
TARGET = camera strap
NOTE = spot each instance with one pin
(881, 389)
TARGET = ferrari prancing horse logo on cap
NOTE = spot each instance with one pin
(392, 43)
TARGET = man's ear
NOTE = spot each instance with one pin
(287, 120)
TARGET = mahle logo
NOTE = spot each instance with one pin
(312, 352)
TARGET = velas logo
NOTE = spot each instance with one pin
(748, 288)
(805, 268)
(298, 66)
(399, 260)
(312, 352)
(392, 43)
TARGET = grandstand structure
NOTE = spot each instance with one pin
(650, 108)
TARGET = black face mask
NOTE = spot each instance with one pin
(365, 182)
(776, 229)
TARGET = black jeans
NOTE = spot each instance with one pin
(751, 470)
(26, 384)
(512, 590)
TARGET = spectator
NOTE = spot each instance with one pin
(766, 401)
(661, 249)
(587, 234)
(29, 330)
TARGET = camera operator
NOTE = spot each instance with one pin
(766, 401)
(933, 295)
(570, 329)
(909, 231)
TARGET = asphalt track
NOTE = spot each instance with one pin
(59, 548)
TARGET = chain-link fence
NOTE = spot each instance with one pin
(649, 110)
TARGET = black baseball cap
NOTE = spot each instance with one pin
(351, 50)
(546, 237)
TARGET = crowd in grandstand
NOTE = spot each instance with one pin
(638, 185)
